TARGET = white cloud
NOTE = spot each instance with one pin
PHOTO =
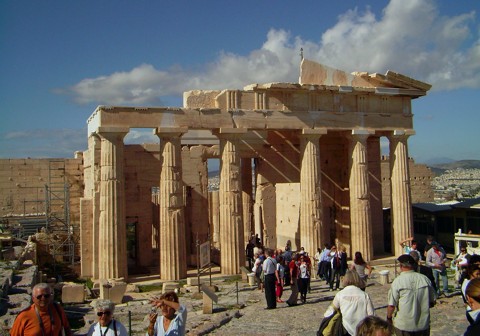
(410, 37)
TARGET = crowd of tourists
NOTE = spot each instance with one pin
(412, 293)
(410, 297)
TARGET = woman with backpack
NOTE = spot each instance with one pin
(353, 303)
(360, 265)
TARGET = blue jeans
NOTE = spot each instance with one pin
(443, 274)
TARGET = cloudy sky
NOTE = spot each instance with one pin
(60, 59)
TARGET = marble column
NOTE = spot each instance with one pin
(247, 186)
(173, 261)
(94, 145)
(401, 201)
(231, 213)
(112, 248)
(312, 230)
(360, 211)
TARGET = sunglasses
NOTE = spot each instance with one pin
(106, 313)
(46, 296)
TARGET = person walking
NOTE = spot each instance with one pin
(258, 269)
(427, 271)
(293, 269)
(339, 266)
(249, 253)
(436, 258)
(325, 263)
(409, 300)
(271, 275)
(303, 277)
(360, 265)
(281, 279)
(43, 317)
(353, 303)
(317, 258)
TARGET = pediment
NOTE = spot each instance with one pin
(314, 73)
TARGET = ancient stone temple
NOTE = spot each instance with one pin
(298, 161)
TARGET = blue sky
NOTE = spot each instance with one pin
(60, 59)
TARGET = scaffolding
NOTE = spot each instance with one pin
(61, 242)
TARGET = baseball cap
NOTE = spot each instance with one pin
(406, 259)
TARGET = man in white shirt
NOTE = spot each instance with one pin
(271, 274)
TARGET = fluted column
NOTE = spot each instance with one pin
(231, 212)
(312, 230)
(173, 261)
(247, 198)
(112, 249)
(360, 212)
(94, 143)
(401, 201)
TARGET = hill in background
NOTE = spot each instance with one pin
(440, 168)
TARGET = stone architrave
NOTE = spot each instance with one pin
(311, 225)
(173, 262)
(231, 213)
(112, 256)
(360, 212)
(401, 201)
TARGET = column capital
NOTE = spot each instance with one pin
(360, 135)
(314, 131)
(103, 131)
(169, 131)
(363, 131)
(229, 131)
(404, 132)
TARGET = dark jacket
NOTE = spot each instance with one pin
(473, 329)
(427, 271)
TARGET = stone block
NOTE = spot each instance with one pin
(207, 304)
(73, 293)
(170, 287)
(113, 291)
(17, 251)
(384, 277)
(245, 273)
(209, 297)
(251, 279)
(193, 281)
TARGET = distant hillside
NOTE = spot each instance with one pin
(440, 168)
(213, 173)
(464, 164)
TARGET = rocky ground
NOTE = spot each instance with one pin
(245, 313)
(242, 311)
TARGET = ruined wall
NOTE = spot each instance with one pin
(22, 186)
(335, 192)
(142, 179)
(375, 184)
(421, 178)
(288, 215)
